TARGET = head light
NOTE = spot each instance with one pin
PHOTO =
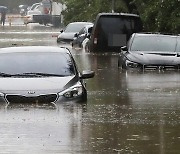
(131, 64)
(72, 92)
(75, 92)
(1, 94)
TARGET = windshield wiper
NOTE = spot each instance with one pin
(38, 74)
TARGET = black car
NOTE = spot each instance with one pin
(112, 30)
(40, 74)
(83, 34)
(67, 35)
(151, 51)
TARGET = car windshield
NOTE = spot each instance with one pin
(37, 62)
(34, 5)
(155, 43)
(74, 27)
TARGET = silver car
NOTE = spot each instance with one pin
(40, 74)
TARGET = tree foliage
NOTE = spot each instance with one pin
(87, 10)
(157, 15)
(161, 15)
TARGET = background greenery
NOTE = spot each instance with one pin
(157, 15)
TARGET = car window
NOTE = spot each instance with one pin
(52, 63)
(154, 43)
(34, 5)
(178, 45)
(74, 27)
(82, 31)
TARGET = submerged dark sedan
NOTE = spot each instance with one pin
(40, 74)
(151, 51)
(67, 35)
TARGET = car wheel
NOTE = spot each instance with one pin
(86, 47)
(84, 96)
(80, 45)
(123, 66)
(119, 63)
(58, 40)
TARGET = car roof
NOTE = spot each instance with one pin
(156, 34)
(90, 25)
(25, 49)
(118, 14)
(80, 23)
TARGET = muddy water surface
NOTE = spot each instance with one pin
(126, 112)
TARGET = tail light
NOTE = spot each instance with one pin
(95, 36)
(95, 40)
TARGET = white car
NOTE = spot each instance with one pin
(40, 74)
(34, 10)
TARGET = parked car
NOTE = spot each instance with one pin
(46, 12)
(151, 51)
(67, 35)
(81, 36)
(112, 30)
(34, 10)
(40, 74)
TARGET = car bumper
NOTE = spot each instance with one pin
(47, 99)
(60, 40)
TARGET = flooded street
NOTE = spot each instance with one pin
(126, 112)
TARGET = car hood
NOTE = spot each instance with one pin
(154, 58)
(65, 35)
(34, 86)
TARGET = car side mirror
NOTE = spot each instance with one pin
(87, 74)
(124, 48)
(61, 30)
(90, 30)
(88, 36)
(76, 35)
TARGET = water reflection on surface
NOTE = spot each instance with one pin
(126, 112)
(131, 112)
(24, 35)
(41, 129)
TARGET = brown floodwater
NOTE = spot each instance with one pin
(126, 111)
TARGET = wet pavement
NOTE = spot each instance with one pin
(126, 112)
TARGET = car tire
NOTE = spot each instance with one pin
(121, 65)
(58, 40)
(84, 97)
(80, 45)
(86, 47)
